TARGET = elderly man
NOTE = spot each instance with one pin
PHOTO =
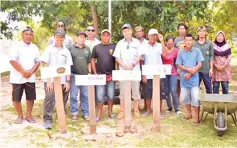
(128, 53)
(25, 60)
(91, 41)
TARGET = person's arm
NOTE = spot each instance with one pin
(93, 65)
(161, 38)
(211, 60)
(117, 56)
(138, 59)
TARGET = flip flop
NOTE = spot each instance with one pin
(98, 119)
(120, 115)
(186, 118)
(112, 116)
(146, 114)
(86, 118)
(19, 120)
(30, 120)
(137, 113)
(196, 123)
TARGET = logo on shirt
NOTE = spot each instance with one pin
(61, 70)
(111, 51)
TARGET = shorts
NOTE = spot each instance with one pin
(147, 89)
(135, 89)
(17, 91)
(190, 96)
(104, 92)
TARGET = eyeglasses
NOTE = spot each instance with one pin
(91, 30)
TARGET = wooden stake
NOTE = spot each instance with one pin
(127, 106)
(91, 97)
(60, 105)
(156, 103)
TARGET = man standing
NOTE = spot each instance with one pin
(152, 56)
(55, 55)
(139, 33)
(128, 54)
(103, 53)
(206, 47)
(91, 41)
(25, 60)
(81, 57)
(189, 61)
(68, 42)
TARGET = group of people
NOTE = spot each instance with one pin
(192, 61)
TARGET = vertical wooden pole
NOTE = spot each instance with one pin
(60, 105)
(91, 97)
(127, 107)
(156, 103)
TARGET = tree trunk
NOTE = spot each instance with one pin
(95, 20)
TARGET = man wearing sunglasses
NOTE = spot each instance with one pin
(128, 54)
(68, 42)
(91, 41)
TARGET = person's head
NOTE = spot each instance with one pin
(105, 36)
(90, 31)
(169, 41)
(59, 37)
(182, 29)
(81, 38)
(60, 25)
(139, 32)
(27, 35)
(127, 31)
(153, 36)
(202, 32)
(188, 41)
(220, 37)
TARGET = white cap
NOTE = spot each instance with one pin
(153, 31)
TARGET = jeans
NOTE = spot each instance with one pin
(83, 98)
(206, 80)
(171, 89)
(104, 92)
(49, 103)
(224, 85)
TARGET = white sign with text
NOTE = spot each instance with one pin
(90, 79)
(126, 75)
(161, 70)
(55, 71)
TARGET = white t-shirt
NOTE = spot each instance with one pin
(152, 55)
(128, 52)
(91, 44)
(26, 55)
(56, 57)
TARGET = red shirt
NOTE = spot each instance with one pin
(170, 58)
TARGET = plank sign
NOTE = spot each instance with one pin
(91, 80)
(56, 72)
(158, 71)
(128, 76)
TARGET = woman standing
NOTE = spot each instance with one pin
(169, 57)
(222, 58)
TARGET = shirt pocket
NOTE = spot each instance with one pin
(62, 58)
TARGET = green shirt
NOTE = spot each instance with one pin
(207, 52)
(81, 57)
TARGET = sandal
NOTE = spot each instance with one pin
(120, 115)
(147, 113)
(196, 123)
(19, 120)
(137, 113)
(30, 120)
(187, 118)
(87, 118)
(112, 116)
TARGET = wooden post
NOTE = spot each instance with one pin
(60, 105)
(91, 97)
(156, 103)
(127, 107)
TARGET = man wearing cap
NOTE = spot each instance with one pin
(206, 47)
(128, 53)
(140, 35)
(55, 55)
(103, 53)
(91, 41)
(81, 56)
(152, 56)
(22, 74)
(68, 42)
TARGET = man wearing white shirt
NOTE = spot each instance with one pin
(128, 53)
(25, 60)
(152, 56)
(139, 33)
(55, 55)
(91, 41)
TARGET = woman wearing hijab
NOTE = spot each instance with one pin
(222, 58)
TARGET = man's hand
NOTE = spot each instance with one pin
(26, 74)
(221, 68)
(66, 87)
(128, 67)
(144, 80)
(49, 86)
(210, 72)
(161, 38)
(187, 76)
(192, 70)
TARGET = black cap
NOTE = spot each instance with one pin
(82, 33)
(60, 32)
(28, 28)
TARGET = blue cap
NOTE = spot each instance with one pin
(60, 32)
(28, 28)
(126, 26)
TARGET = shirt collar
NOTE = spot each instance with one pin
(75, 45)
(127, 41)
(153, 45)
(27, 45)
